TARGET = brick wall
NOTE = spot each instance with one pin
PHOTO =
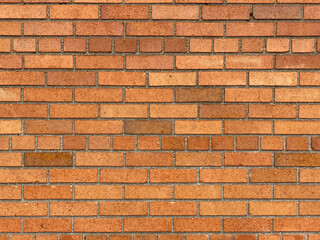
(159, 120)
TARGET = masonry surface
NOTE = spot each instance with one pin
(159, 120)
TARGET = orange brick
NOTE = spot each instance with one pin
(71, 78)
(147, 224)
(98, 192)
(248, 95)
(5, 45)
(99, 142)
(47, 127)
(100, 45)
(222, 143)
(309, 78)
(311, 12)
(296, 127)
(252, 29)
(172, 143)
(97, 225)
(175, 12)
(73, 111)
(148, 143)
(223, 175)
(296, 224)
(273, 78)
(4, 145)
(200, 45)
(247, 224)
(277, 45)
(125, 45)
(247, 143)
(149, 95)
(22, 78)
(48, 192)
(124, 175)
(47, 95)
(173, 208)
(49, 45)
(124, 111)
(150, 45)
(248, 127)
(23, 142)
(98, 95)
(298, 29)
(122, 78)
(199, 62)
(303, 45)
(175, 45)
(73, 208)
(149, 62)
(173, 111)
(23, 11)
(296, 192)
(10, 94)
(222, 78)
(197, 224)
(198, 127)
(10, 61)
(10, 28)
(297, 143)
(123, 208)
(276, 12)
(10, 225)
(149, 159)
(296, 159)
(272, 111)
(99, 28)
(271, 143)
(226, 45)
(22, 176)
(273, 175)
(249, 62)
(73, 175)
(199, 29)
(248, 159)
(150, 29)
(74, 45)
(223, 208)
(48, 61)
(225, 12)
(309, 111)
(124, 12)
(198, 143)
(172, 79)
(10, 127)
(123, 143)
(197, 192)
(198, 95)
(74, 12)
(10, 192)
(24, 45)
(49, 142)
(99, 62)
(148, 192)
(99, 159)
(198, 159)
(74, 142)
(173, 175)
(48, 28)
(148, 127)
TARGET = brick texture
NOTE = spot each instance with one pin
(159, 119)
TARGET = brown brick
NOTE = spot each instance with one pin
(249, 62)
(272, 111)
(303, 45)
(75, 45)
(148, 143)
(22, 176)
(147, 127)
(198, 143)
(10, 28)
(173, 175)
(99, 142)
(48, 61)
(73, 175)
(271, 143)
(296, 224)
(48, 28)
(222, 143)
(199, 62)
(198, 127)
(10, 61)
(99, 62)
(99, 159)
(311, 12)
(23, 110)
(150, 45)
(272, 208)
(200, 45)
(49, 45)
(23, 142)
(247, 143)
(277, 45)
(175, 45)
(49, 142)
(248, 127)
(125, 45)
(47, 127)
(47, 95)
(172, 79)
(304, 29)
(10, 225)
(297, 143)
(97, 95)
(74, 111)
(10, 192)
(74, 142)
(172, 143)
(24, 45)
(48, 159)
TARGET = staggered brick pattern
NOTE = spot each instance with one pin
(159, 119)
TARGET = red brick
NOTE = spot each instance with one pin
(47, 127)
(222, 143)
(277, 45)
(200, 45)
(49, 142)
(123, 143)
(149, 95)
(222, 78)
(222, 111)
(273, 78)
(198, 143)
(23, 11)
(150, 45)
(10, 225)
(226, 45)
(272, 208)
(296, 224)
(172, 78)
(173, 111)
(296, 159)
(271, 143)
(98, 95)
(10, 192)
(73, 209)
(296, 127)
(175, 45)
(5, 45)
(99, 142)
(172, 143)
(198, 127)
(47, 95)
(74, 142)
(148, 143)
(23, 142)
(248, 127)
(173, 175)
(303, 45)
(75, 45)
(10, 127)
(125, 45)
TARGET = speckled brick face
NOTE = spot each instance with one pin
(159, 119)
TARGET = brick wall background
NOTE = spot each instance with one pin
(159, 120)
